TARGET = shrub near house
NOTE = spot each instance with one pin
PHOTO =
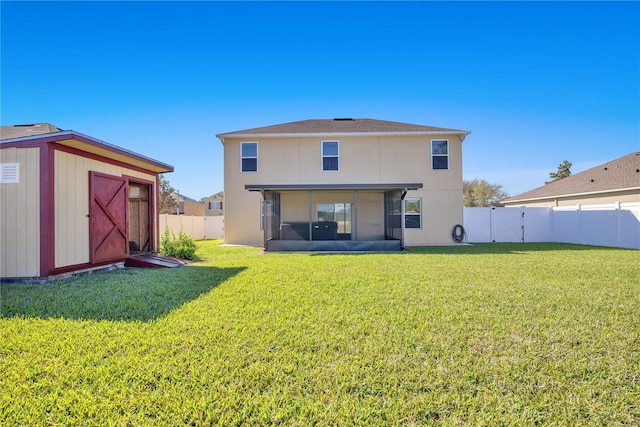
(183, 247)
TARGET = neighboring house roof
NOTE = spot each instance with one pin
(44, 133)
(20, 131)
(218, 195)
(341, 127)
(183, 198)
(616, 175)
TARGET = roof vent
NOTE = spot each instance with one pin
(343, 119)
(606, 168)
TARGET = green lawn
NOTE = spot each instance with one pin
(494, 334)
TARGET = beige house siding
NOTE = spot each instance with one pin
(441, 211)
(71, 186)
(20, 215)
(628, 196)
(242, 226)
(192, 208)
(363, 160)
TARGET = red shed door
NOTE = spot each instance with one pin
(108, 200)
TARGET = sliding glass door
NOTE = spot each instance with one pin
(339, 213)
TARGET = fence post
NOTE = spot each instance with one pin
(491, 224)
(580, 231)
(616, 207)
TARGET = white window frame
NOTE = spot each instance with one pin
(249, 157)
(404, 213)
(440, 155)
(329, 156)
(214, 205)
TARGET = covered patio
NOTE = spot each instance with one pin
(333, 217)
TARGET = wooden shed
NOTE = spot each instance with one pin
(70, 202)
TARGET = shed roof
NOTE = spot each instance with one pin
(619, 174)
(43, 133)
(341, 126)
(20, 131)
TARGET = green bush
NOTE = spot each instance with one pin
(182, 247)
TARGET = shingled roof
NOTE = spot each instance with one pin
(21, 131)
(341, 126)
(618, 174)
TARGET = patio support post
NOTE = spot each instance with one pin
(404, 193)
(310, 216)
(354, 223)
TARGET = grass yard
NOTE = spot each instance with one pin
(494, 334)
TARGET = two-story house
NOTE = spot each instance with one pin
(342, 184)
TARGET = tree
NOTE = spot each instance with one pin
(168, 203)
(481, 193)
(564, 170)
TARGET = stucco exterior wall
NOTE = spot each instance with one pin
(71, 186)
(242, 224)
(20, 215)
(363, 160)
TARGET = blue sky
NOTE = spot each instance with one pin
(535, 82)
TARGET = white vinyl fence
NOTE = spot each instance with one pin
(616, 225)
(198, 227)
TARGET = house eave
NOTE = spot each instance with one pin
(224, 136)
(334, 187)
(564, 196)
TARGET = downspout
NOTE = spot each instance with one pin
(404, 193)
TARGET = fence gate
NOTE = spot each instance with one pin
(507, 225)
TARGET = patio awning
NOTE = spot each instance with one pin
(334, 187)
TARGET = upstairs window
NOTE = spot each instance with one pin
(249, 156)
(215, 206)
(439, 154)
(330, 155)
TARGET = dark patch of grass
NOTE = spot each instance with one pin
(127, 294)
(497, 334)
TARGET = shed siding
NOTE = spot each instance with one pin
(20, 215)
(72, 204)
